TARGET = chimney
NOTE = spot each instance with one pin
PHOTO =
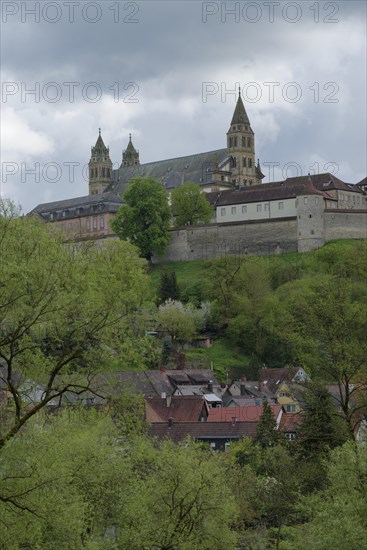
(244, 379)
(242, 388)
(234, 420)
(163, 369)
(170, 422)
(210, 386)
(168, 400)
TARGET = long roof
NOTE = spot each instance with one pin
(246, 413)
(170, 172)
(79, 206)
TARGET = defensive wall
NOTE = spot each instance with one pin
(307, 231)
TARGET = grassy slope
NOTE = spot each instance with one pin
(225, 357)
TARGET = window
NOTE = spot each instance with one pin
(259, 207)
(235, 141)
(243, 141)
(234, 162)
(95, 227)
(291, 436)
(266, 207)
(101, 222)
(233, 210)
(244, 162)
(249, 163)
(244, 209)
(248, 142)
(280, 205)
(282, 394)
(87, 224)
(222, 211)
(230, 142)
(305, 200)
(290, 408)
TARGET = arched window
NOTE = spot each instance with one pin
(235, 141)
(230, 142)
(249, 162)
(243, 141)
(248, 142)
(244, 162)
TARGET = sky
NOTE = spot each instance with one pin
(168, 72)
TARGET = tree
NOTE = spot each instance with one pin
(266, 431)
(321, 429)
(337, 516)
(168, 287)
(179, 320)
(61, 314)
(324, 321)
(80, 481)
(145, 218)
(189, 205)
(8, 209)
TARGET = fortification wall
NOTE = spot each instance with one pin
(260, 237)
(345, 224)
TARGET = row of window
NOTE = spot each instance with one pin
(246, 141)
(103, 172)
(259, 208)
(94, 223)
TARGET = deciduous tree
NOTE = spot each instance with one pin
(189, 205)
(145, 217)
(61, 313)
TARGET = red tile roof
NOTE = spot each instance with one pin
(247, 413)
(180, 408)
(290, 422)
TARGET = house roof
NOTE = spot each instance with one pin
(147, 382)
(290, 422)
(279, 190)
(180, 408)
(273, 377)
(202, 430)
(249, 413)
(79, 206)
(252, 388)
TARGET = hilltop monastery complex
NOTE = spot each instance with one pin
(250, 217)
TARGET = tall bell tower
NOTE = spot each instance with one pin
(100, 167)
(241, 148)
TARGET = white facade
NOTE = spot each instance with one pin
(279, 208)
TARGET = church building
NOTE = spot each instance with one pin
(231, 178)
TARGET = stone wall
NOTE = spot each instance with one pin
(217, 240)
(345, 224)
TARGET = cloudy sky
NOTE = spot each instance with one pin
(166, 72)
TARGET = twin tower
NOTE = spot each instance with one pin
(239, 167)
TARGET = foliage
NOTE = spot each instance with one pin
(189, 205)
(61, 312)
(324, 321)
(8, 209)
(145, 218)
(78, 481)
(267, 434)
(180, 321)
(337, 515)
(168, 287)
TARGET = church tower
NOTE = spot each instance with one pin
(130, 157)
(241, 148)
(100, 167)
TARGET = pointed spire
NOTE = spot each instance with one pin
(240, 115)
